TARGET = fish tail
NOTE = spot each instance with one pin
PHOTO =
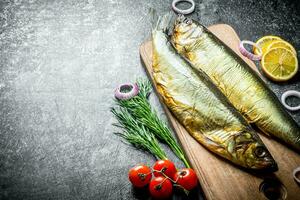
(161, 23)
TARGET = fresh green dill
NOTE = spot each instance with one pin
(141, 111)
(137, 134)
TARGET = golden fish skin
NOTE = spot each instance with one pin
(203, 110)
(245, 90)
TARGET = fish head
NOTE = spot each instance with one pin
(252, 153)
(186, 33)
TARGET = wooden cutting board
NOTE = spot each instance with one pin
(218, 178)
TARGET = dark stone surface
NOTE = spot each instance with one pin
(61, 60)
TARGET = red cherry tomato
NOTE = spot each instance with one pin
(140, 175)
(166, 166)
(160, 187)
(186, 178)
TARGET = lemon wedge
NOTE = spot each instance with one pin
(279, 64)
(264, 43)
(282, 43)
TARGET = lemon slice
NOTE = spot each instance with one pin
(283, 44)
(279, 64)
(264, 42)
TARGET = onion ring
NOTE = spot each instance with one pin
(248, 54)
(287, 94)
(186, 11)
(296, 174)
(126, 91)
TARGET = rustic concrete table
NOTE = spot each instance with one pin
(60, 62)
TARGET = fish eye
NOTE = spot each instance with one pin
(260, 152)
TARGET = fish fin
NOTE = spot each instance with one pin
(217, 148)
(163, 23)
(153, 17)
(212, 143)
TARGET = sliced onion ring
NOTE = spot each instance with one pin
(248, 54)
(296, 174)
(131, 91)
(288, 93)
(181, 11)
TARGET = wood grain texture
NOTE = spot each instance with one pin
(219, 178)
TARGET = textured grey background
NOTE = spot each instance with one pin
(59, 64)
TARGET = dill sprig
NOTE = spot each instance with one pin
(140, 108)
(137, 134)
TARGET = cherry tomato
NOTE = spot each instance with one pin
(160, 187)
(140, 175)
(186, 178)
(166, 166)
